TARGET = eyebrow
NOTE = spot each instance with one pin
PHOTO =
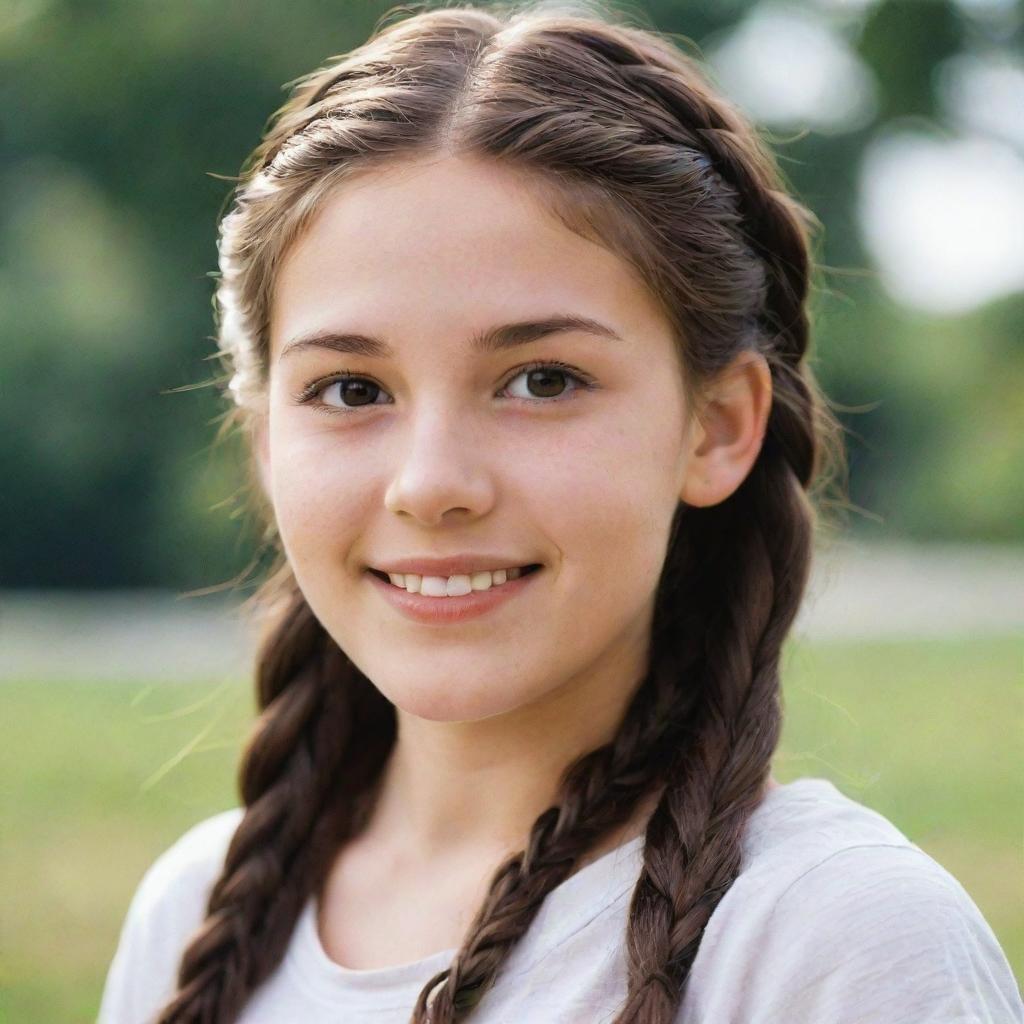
(494, 339)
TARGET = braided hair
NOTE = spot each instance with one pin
(640, 153)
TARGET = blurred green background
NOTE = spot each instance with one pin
(898, 123)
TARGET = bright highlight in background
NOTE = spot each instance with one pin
(944, 219)
(788, 66)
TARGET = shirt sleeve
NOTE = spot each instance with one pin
(880, 934)
(167, 906)
(122, 990)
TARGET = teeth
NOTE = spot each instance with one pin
(452, 586)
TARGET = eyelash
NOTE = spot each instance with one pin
(309, 394)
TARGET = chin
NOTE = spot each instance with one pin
(440, 702)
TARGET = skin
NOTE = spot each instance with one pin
(459, 453)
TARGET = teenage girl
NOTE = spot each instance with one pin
(514, 307)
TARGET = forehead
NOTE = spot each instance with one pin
(449, 245)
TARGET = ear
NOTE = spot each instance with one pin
(728, 430)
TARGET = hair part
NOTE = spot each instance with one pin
(622, 137)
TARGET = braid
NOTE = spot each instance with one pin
(692, 849)
(300, 780)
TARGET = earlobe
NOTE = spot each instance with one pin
(728, 434)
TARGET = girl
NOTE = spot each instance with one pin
(514, 307)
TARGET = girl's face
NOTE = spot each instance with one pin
(441, 447)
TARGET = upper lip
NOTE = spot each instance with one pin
(455, 566)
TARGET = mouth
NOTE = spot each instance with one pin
(451, 609)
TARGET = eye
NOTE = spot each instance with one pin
(547, 376)
(357, 390)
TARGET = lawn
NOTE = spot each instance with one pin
(100, 777)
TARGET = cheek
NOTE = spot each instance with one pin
(316, 496)
(612, 496)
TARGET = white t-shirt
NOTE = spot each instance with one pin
(835, 918)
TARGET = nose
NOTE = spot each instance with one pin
(441, 466)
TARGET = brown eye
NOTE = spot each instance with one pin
(354, 392)
(548, 381)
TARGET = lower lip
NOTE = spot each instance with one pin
(444, 610)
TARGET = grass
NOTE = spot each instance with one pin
(101, 777)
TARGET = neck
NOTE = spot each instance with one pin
(454, 788)
(463, 789)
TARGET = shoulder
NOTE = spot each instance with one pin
(870, 899)
(837, 916)
(168, 904)
(890, 929)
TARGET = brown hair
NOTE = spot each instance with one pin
(631, 146)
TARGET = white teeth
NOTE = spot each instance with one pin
(452, 586)
(459, 586)
(434, 586)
